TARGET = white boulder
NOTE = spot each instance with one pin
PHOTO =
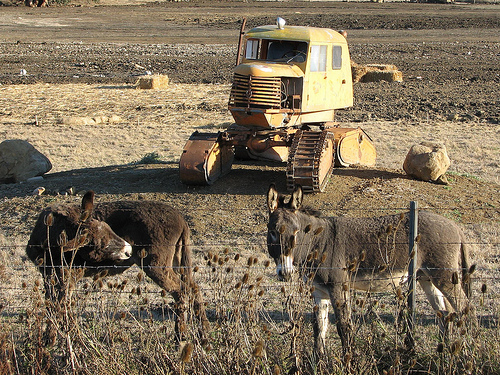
(19, 161)
(427, 161)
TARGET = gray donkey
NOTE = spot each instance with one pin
(344, 253)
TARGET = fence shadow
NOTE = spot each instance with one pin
(245, 178)
(370, 173)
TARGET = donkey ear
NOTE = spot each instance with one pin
(296, 198)
(272, 198)
(87, 205)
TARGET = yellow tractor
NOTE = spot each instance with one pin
(288, 82)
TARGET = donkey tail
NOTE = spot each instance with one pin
(186, 260)
(467, 270)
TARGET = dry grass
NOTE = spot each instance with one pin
(125, 324)
(256, 327)
(151, 120)
(161, 121)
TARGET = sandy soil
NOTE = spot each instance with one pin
(81, 62)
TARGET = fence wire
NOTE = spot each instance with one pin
(17, 275)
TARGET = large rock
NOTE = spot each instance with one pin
(427, 161)
(19, 161)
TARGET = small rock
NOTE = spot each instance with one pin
(38, 191)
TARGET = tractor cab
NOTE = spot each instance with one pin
(291, 75)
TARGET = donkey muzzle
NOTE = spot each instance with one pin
(125, 252)
(284, 267)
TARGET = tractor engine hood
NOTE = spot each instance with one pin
(269, 69)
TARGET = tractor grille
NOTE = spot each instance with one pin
(255, 92)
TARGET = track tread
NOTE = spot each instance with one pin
(305, 159)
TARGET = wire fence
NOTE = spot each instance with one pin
(18, 274)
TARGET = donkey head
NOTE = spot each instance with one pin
(94, 240)
(283, 228)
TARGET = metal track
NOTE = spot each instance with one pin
(310, 160)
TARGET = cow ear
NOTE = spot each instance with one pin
(87, 205)
(296, 198)
(272, 198)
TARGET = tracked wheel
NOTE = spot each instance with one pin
(205, 158)
(311, 160)
(354, 147)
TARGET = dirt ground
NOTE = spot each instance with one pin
(81, 63)
(449, 54)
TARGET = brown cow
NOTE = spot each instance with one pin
(88, 235)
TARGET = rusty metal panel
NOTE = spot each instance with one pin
(204, 159)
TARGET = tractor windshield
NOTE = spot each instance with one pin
(276, 50)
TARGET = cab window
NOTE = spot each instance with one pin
(286, 51)
(318, 59)
(252, 49)
(337, 57)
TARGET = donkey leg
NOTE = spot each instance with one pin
(320, 322)
(437, 301)
(341, 305)
(199, 309)
(180, 313)
(191, 290)
(171, 282)
(454, 293)
(455, 297)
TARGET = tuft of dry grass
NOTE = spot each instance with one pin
(125, 325)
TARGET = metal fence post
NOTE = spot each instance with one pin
(412, 280)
